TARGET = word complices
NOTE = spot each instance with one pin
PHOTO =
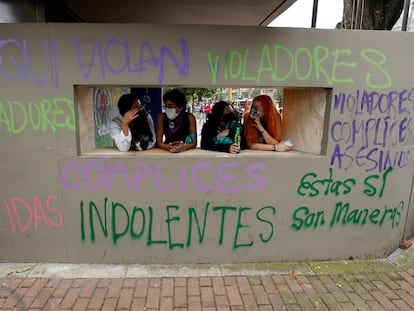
(203, 176)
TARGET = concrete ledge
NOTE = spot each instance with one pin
(397, 261)
(60, 270)
(197, 152)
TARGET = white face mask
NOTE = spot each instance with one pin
(171, 113)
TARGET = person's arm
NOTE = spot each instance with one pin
(193, 132)
(270, 147)
(269, 139)
(208, 132)
(271, 143)
(185, 145)
(208, 136)
(160, 133)
(151, 126)
(122, 141)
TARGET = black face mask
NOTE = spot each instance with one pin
(228, 117)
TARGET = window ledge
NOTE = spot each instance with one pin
(248, 153)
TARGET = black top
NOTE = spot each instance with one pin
(179, 134)
(140, 132)
(209, 133)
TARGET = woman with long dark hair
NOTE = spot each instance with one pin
(221, 129)
(134, 128)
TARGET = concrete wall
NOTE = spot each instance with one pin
(345, 191)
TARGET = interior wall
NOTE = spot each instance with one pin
(303, 116)
(86, 117)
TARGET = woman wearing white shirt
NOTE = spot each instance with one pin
(134, 128)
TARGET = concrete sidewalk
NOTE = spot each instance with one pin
(386, 284)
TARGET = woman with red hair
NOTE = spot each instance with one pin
(263, 126)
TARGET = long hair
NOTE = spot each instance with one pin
(217, 112)
(271, 118)
(125, 102)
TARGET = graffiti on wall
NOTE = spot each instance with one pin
(374, 138)
(191, 178)
(131, 61)
(17, 63)
(97, 57)
(45, 115)
(21, 216)
(370, 131)
(114, 220)
(313, 186)
(320, 62)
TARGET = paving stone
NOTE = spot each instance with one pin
(378, 291)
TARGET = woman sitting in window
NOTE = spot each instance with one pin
(263, 126)
(134, 128)
(221, 129)
(176, 128)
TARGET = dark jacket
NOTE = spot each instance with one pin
(210, 141)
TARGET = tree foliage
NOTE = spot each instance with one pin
(192, 93)
(371, 14)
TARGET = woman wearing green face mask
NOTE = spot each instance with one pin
(176, 128)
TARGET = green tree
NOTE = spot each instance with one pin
(371, 14)
(190, 93)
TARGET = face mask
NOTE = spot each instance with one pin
(171, 113)
(228, 117)
(254, 113)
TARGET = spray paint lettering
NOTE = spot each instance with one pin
(311, 185)
(364, 102)
(42, 116)
(320, 63)
(146, 59)
(99, 175)
(16, 64)
(21, 215)
(343, 214)
(138, 223)
(372, 143)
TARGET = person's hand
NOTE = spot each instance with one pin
(281, 147)
(130, 115)
(177, 147)
(258, 124)
(234, 148)
(223, 133)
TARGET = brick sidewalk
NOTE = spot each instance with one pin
(366, 285)
(368, 291)
(373, 291)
